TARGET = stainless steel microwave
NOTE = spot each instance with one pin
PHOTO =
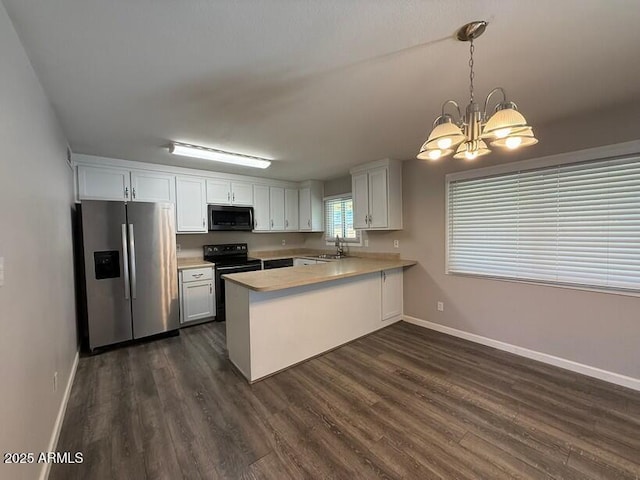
(222, 218)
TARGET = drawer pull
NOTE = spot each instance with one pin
(197, 275)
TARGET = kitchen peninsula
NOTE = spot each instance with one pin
(278, 318)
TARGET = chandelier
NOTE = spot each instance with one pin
(469, 135)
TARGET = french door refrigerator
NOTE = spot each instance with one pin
(130, 275)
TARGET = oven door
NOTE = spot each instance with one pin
(220, 295)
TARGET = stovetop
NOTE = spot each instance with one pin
(229, 254)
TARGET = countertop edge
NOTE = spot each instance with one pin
(186, 264)
(329, 278)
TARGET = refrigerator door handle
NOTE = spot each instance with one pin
(132, 248)
(125, 261)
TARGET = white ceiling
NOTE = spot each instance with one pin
(318, 85)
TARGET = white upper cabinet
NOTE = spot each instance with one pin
(291, 209)
(97, 183)
(377, 195)
(360, 195)
(149, 186)
(219, 191)
(378, 198)
(242, 194)
(276, 207)
(261, 211)
(391, 294)
(191, 206)
(225, 192)
(311, 207)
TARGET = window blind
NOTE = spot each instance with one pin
(339, 219)
(575, 224)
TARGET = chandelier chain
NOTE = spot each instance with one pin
(471, 73)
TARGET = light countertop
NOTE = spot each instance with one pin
(312, 253)
(184, 263)
(282, 278)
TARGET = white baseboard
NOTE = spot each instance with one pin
(57, 427)
(611, 377)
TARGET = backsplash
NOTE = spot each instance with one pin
(191, 244)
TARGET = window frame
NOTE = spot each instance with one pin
(354, 242)
(610, 152)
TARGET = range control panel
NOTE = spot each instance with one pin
(225, 249)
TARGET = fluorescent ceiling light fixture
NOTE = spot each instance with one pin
(195, 151)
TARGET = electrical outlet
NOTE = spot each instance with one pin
(1, 271)
(178, 248)
(440, 306)
(366, 242)
(396, 244)
(55, 382)
(284, 242)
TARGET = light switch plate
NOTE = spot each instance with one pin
(396, 244)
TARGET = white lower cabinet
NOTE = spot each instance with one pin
(391, 294)
(197, 295)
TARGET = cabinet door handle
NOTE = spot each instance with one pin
(286, 223)
(255, 224)
(271, 223)
(309, 223)
(126, 192)
(133, 193)
(210, 288)
(203, 223)
(384, 276)
(233, 197)
(228, 197)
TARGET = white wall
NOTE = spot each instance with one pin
(37, 309)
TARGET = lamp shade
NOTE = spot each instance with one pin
(521, 138)
(432, 153)
(471, 150)
(445, 135)
(504, 122)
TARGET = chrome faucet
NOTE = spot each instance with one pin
(339, 250)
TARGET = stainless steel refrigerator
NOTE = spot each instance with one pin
(130, 275)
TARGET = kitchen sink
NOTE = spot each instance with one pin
(330, 256)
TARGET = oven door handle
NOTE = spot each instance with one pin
(224, 269)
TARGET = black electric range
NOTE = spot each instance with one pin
(228, 258)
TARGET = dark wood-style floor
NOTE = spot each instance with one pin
(404, 402)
